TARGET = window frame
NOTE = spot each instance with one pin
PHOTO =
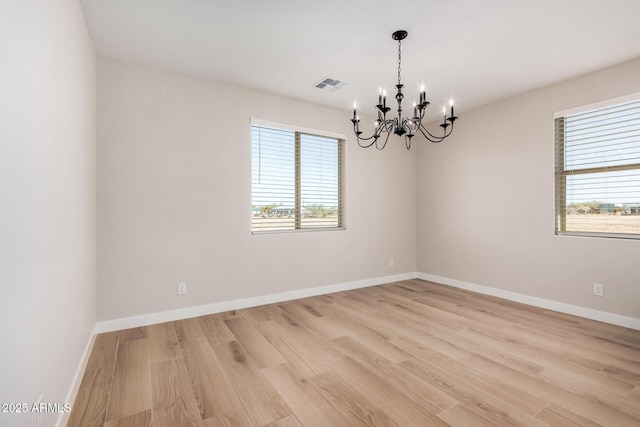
(298, 131)
(561, 173)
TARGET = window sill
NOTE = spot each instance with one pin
(599, 235)
(299, 230)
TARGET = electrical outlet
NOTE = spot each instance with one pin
(392, 262)
(598, 290)
(182, 288)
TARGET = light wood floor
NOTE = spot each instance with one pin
(410, 353)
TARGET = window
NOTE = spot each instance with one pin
(296, 179)
(598, 169)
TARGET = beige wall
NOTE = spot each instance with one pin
(174, 185)
(486, 203)
(47, 202)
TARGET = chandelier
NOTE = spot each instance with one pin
(401, 126)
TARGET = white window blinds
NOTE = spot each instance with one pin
(296, 180)
(598, 171)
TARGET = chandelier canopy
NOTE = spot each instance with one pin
(401, 126)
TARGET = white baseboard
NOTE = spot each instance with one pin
(588, 313)
(63, 418)
(202, 310)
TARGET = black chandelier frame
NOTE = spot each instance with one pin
(401, 126)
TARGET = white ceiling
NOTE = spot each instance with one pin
(476, 51)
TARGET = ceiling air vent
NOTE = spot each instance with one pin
(329, 84)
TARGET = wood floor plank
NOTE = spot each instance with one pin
(211, 387)
(494, 352)
(481, 317)
(421, 314)
(131, 382)
(610, 352)
(261, 401)
(435, 341)
(163, 342)
(232, 418)
(140, 419)
(310, 407)
(560, 350)
(92, 398)
(604, 332)
(291, 349)
(261, 350)
(314, 305)
(557, 416)
(133, 334)
(351, 402)
(215, 329)
(309, 345)
(384, 395)
(586, 387)
(104, 351)
(586, 406)
(189, 329)
(585, 379)
(461, 416)
(290, 421)
(262, 313)
(480, 400)
(90, 406)
(521, 347)
(414, 388)
(371, 337)
(354, 314)
(174, 404)
(324, 326)
(502, 403)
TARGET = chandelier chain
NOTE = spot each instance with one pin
(399, 59)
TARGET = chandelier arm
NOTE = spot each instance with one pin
(411, 124)
(367, 139)
(385, 126)
(423, 129)
(366, 145)
(407, 142)
(359, 138)
(388, 126)
(385, 142)
(430, 137)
